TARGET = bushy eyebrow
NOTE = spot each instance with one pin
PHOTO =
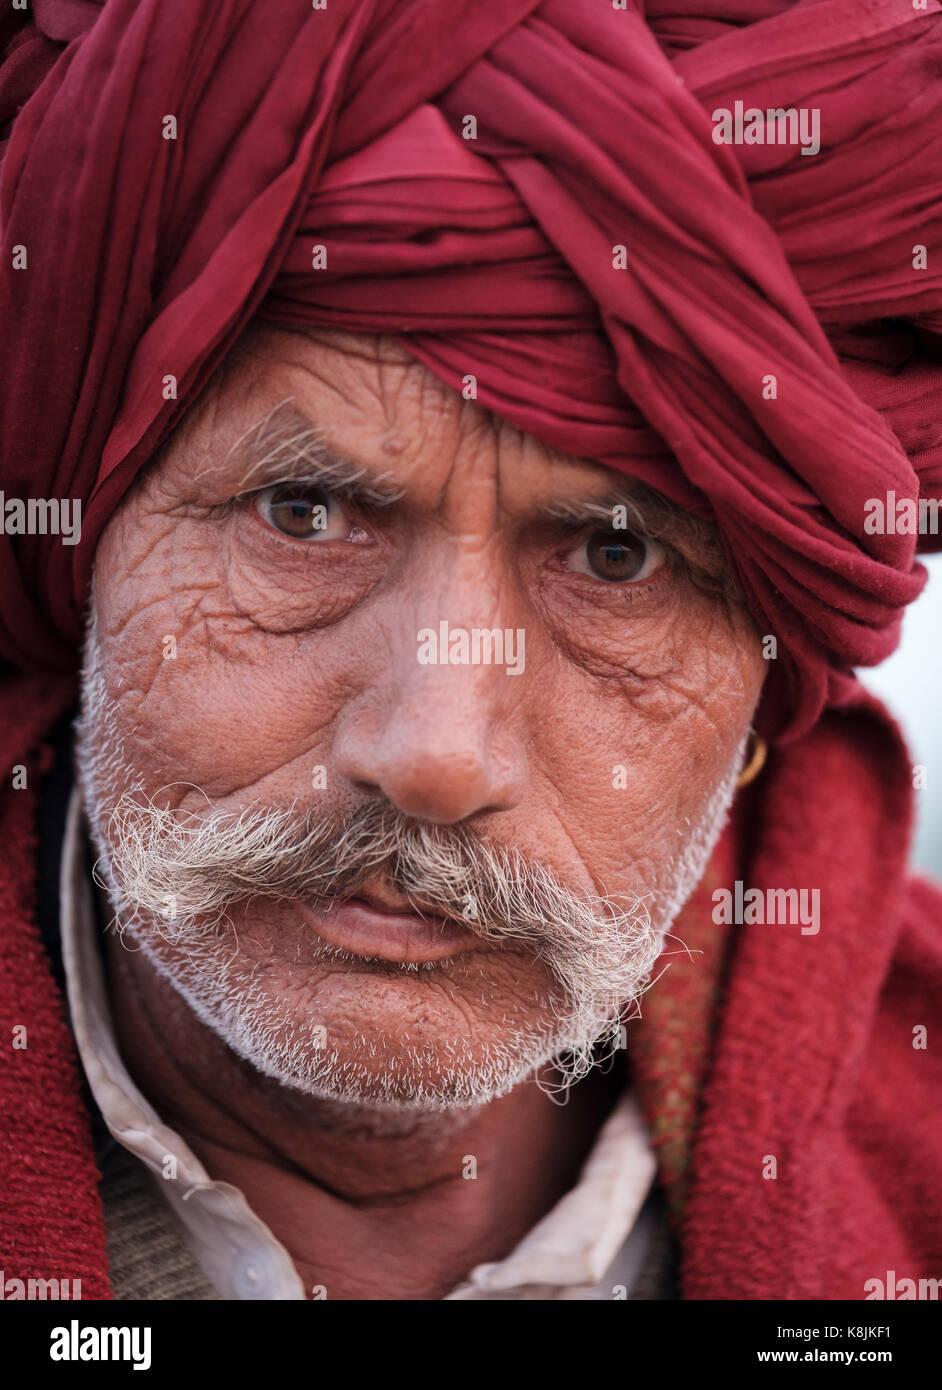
(286, 447)
(645, 511)
(583, 510)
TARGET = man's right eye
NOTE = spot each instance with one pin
(304, 511)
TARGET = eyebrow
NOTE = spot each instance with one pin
(286, 447)
(598, 508)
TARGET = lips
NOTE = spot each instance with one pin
(366, 926)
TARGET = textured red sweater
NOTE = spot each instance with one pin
(767, 1043)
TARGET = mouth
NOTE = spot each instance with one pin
(370, 927)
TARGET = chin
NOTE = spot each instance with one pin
(395, 1039)
(426, 1074)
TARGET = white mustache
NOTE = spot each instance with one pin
(180, 874)
(207, 862)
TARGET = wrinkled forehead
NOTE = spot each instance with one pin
(358, 410)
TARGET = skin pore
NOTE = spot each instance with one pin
(296, 684)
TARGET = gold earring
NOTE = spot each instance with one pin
(756, 761)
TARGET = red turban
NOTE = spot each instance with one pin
(129, 257)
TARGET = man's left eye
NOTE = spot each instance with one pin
(303, 511)
(619, 557)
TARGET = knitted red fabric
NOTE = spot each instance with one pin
(51, 1224)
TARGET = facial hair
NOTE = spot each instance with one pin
(173, 880)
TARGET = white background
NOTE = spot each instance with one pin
(910, 684)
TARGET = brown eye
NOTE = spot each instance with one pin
(303, 511)
(617, 556)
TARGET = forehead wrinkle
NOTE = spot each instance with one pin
(285, 442)
(508, 469)
(472, 482)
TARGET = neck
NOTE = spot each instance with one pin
(370, 1204)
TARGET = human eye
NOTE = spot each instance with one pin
(305, 511)
(616, 556)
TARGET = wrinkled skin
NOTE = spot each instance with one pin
(298, 654)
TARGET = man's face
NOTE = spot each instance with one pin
(283, 662)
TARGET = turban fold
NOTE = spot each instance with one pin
(128, 258)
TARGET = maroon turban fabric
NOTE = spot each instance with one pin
(343, 128)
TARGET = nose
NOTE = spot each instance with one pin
(442, 743)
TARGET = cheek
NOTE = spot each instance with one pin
(636, 764)
(212, 683)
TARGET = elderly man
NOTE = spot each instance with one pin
(474, 871)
